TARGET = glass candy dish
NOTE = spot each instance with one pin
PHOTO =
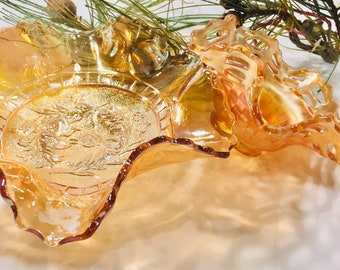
(128, 99)
(70, 140)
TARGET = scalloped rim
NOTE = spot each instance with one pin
(123, 173)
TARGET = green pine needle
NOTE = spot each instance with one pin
(310, 24)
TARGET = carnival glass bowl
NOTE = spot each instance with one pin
(68, 142)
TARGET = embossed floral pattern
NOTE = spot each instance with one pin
(69, 140)
(81, 131)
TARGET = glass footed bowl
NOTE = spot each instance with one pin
(69, 140)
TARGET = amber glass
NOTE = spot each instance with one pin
(95, 109)
(72, 133)
(260, 99)
(66, 139)
(29, 51)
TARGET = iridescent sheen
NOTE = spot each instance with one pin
(87, 111)
(265, 103)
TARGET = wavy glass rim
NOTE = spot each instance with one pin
(122, 175)
(52, 82)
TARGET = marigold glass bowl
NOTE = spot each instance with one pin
(69, 140)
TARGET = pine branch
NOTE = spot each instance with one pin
(309, 23)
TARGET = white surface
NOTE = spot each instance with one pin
(193, 220)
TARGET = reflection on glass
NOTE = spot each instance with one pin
(91, 110)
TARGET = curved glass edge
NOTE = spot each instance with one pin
(134, 165)
(259, 98)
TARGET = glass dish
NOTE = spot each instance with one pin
(70, 139)
(279, 210)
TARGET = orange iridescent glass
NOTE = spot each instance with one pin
(120, 102)
(93, 109)
(260, 99)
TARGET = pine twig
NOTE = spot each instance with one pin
(314, 33)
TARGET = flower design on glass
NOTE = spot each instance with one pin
(62, 150)
(57, 130)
